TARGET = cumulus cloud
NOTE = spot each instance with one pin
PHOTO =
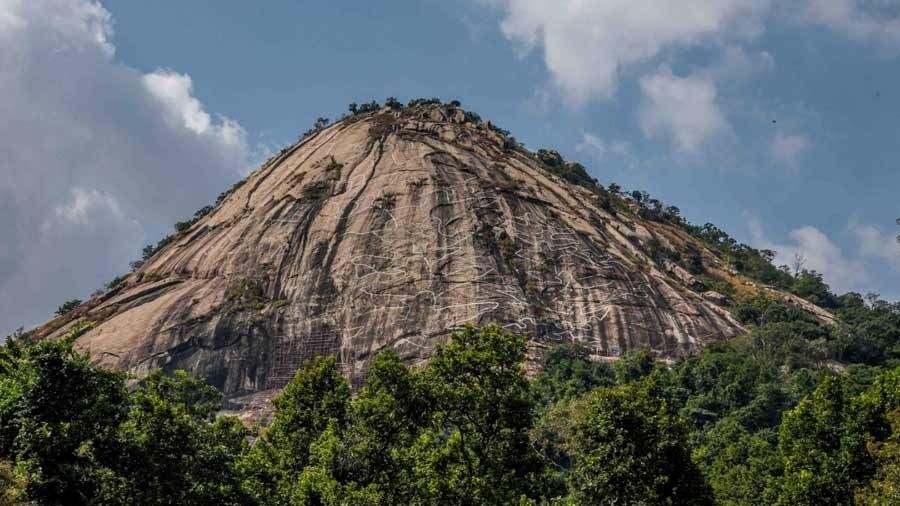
(738, 63)
(598, 148)
(871, 21)
(681, 108)
(875, 243)
(819, 253)
(175, 91)
(96, 158)
(785, 148)
(588, 45)
(82, 207)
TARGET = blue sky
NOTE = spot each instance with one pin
(777, 123)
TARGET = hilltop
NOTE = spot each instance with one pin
(399, 223)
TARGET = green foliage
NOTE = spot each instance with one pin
(370, 461)
(475, 448)
(423, 101)
(313, 401)
(68, 306)
(115, 282)
(710, 282)
(811, 286)
(632, 449)
(364, 108)
(772, 425)
(318, 190)
(79, 329)
(502, 131)
(692, 260)
(822, 444)
(884, 489)
(869, 331)
(660, 253)
(173, 449)
(12, 484)
(453, 432)
(733, 401)
(725, 383)
(572, 172)
(743, 467)
(317, 127)
(183, 226)
(151, 249)
(246, 290)
(568, 372)
(634, 365)
(58, 420)
(70, 433)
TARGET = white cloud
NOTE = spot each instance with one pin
(785, 148)
(84, 203)
(587, 45)
(682, 108)
(96, 158)
(820, 254)
(874, 243)
(598, 148)
(873, 21)
(9, 21)
(736, 62)
(175, 93)
(824, 256)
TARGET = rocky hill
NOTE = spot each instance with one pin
(388, 229)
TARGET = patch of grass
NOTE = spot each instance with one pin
(417, 183)
(116, 281)
(333, 168)
(249, 295)
(659, 252)
(79, 329)
(319, 190)
(531, 287)
(68, 306)
(385, 201)
(382, 125)
(717, 285)
(245, 290)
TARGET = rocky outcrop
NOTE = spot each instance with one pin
(386, 231)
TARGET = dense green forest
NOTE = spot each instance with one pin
(796, 412)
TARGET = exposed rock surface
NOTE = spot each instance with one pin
(386, 230)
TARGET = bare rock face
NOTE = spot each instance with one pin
(386, 231)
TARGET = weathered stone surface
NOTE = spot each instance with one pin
(716, 297)
(385, 232)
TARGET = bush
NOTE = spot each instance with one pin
(68, 306)
(71, 433)
(630, 447)
(116, 281)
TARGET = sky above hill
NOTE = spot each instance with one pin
(779, 123)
